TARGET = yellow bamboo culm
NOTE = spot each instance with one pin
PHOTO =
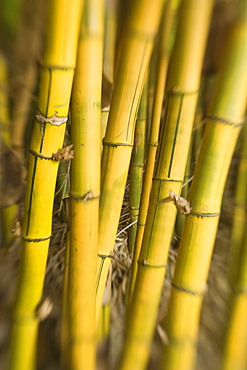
(180, 104)
(137, 46)
(236, 335)
(137, 168)
(224, 121)
(234, 355)
(85, 188)
(47, 139)
(64, 342)
(164, 49)
(239, 215)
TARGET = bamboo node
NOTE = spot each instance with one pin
(116, 144)
(144, 262)
(40, 155)
(224, 120)
(104, 256)
(88, 196)
(189, 291)
(197, 214)
(182, 204)
(44, 309)
(17, 229)
(30, 240)
(64, 154)
(53, 120)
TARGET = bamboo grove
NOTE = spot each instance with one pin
(133, 99)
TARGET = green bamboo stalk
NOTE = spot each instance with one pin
(191, 160)
(236, 335)
(85, 188)
(110, 38)
(164, 49)
(108, 60)
(47, 138)
(224, 122)
(137, 168)
(141, 28)
(181, 97)
(239, 215)
(65, 302)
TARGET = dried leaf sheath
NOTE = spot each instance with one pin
(54, 95)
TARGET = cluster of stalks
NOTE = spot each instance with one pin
(152, 53)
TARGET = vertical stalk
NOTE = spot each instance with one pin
(224, 121)
(65, 303)
(138, 41)
(181, 97)
(236, 335)
(239, 216)
(194, 146)
(137, 168)
(110, 38)
(85, 188)
(47, 138)
(164, 48)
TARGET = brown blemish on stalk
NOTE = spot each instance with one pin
(182, 204)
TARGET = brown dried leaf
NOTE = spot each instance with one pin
(63, 154)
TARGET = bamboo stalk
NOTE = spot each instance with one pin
(181, 97)
(47, 138)
(164, 49)
(239, 216)
(65, 316)
(110, 38)
(222, 129)
(137, 46)
(236, 335)
(137, 168)
(191, 160)
(85, 188)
